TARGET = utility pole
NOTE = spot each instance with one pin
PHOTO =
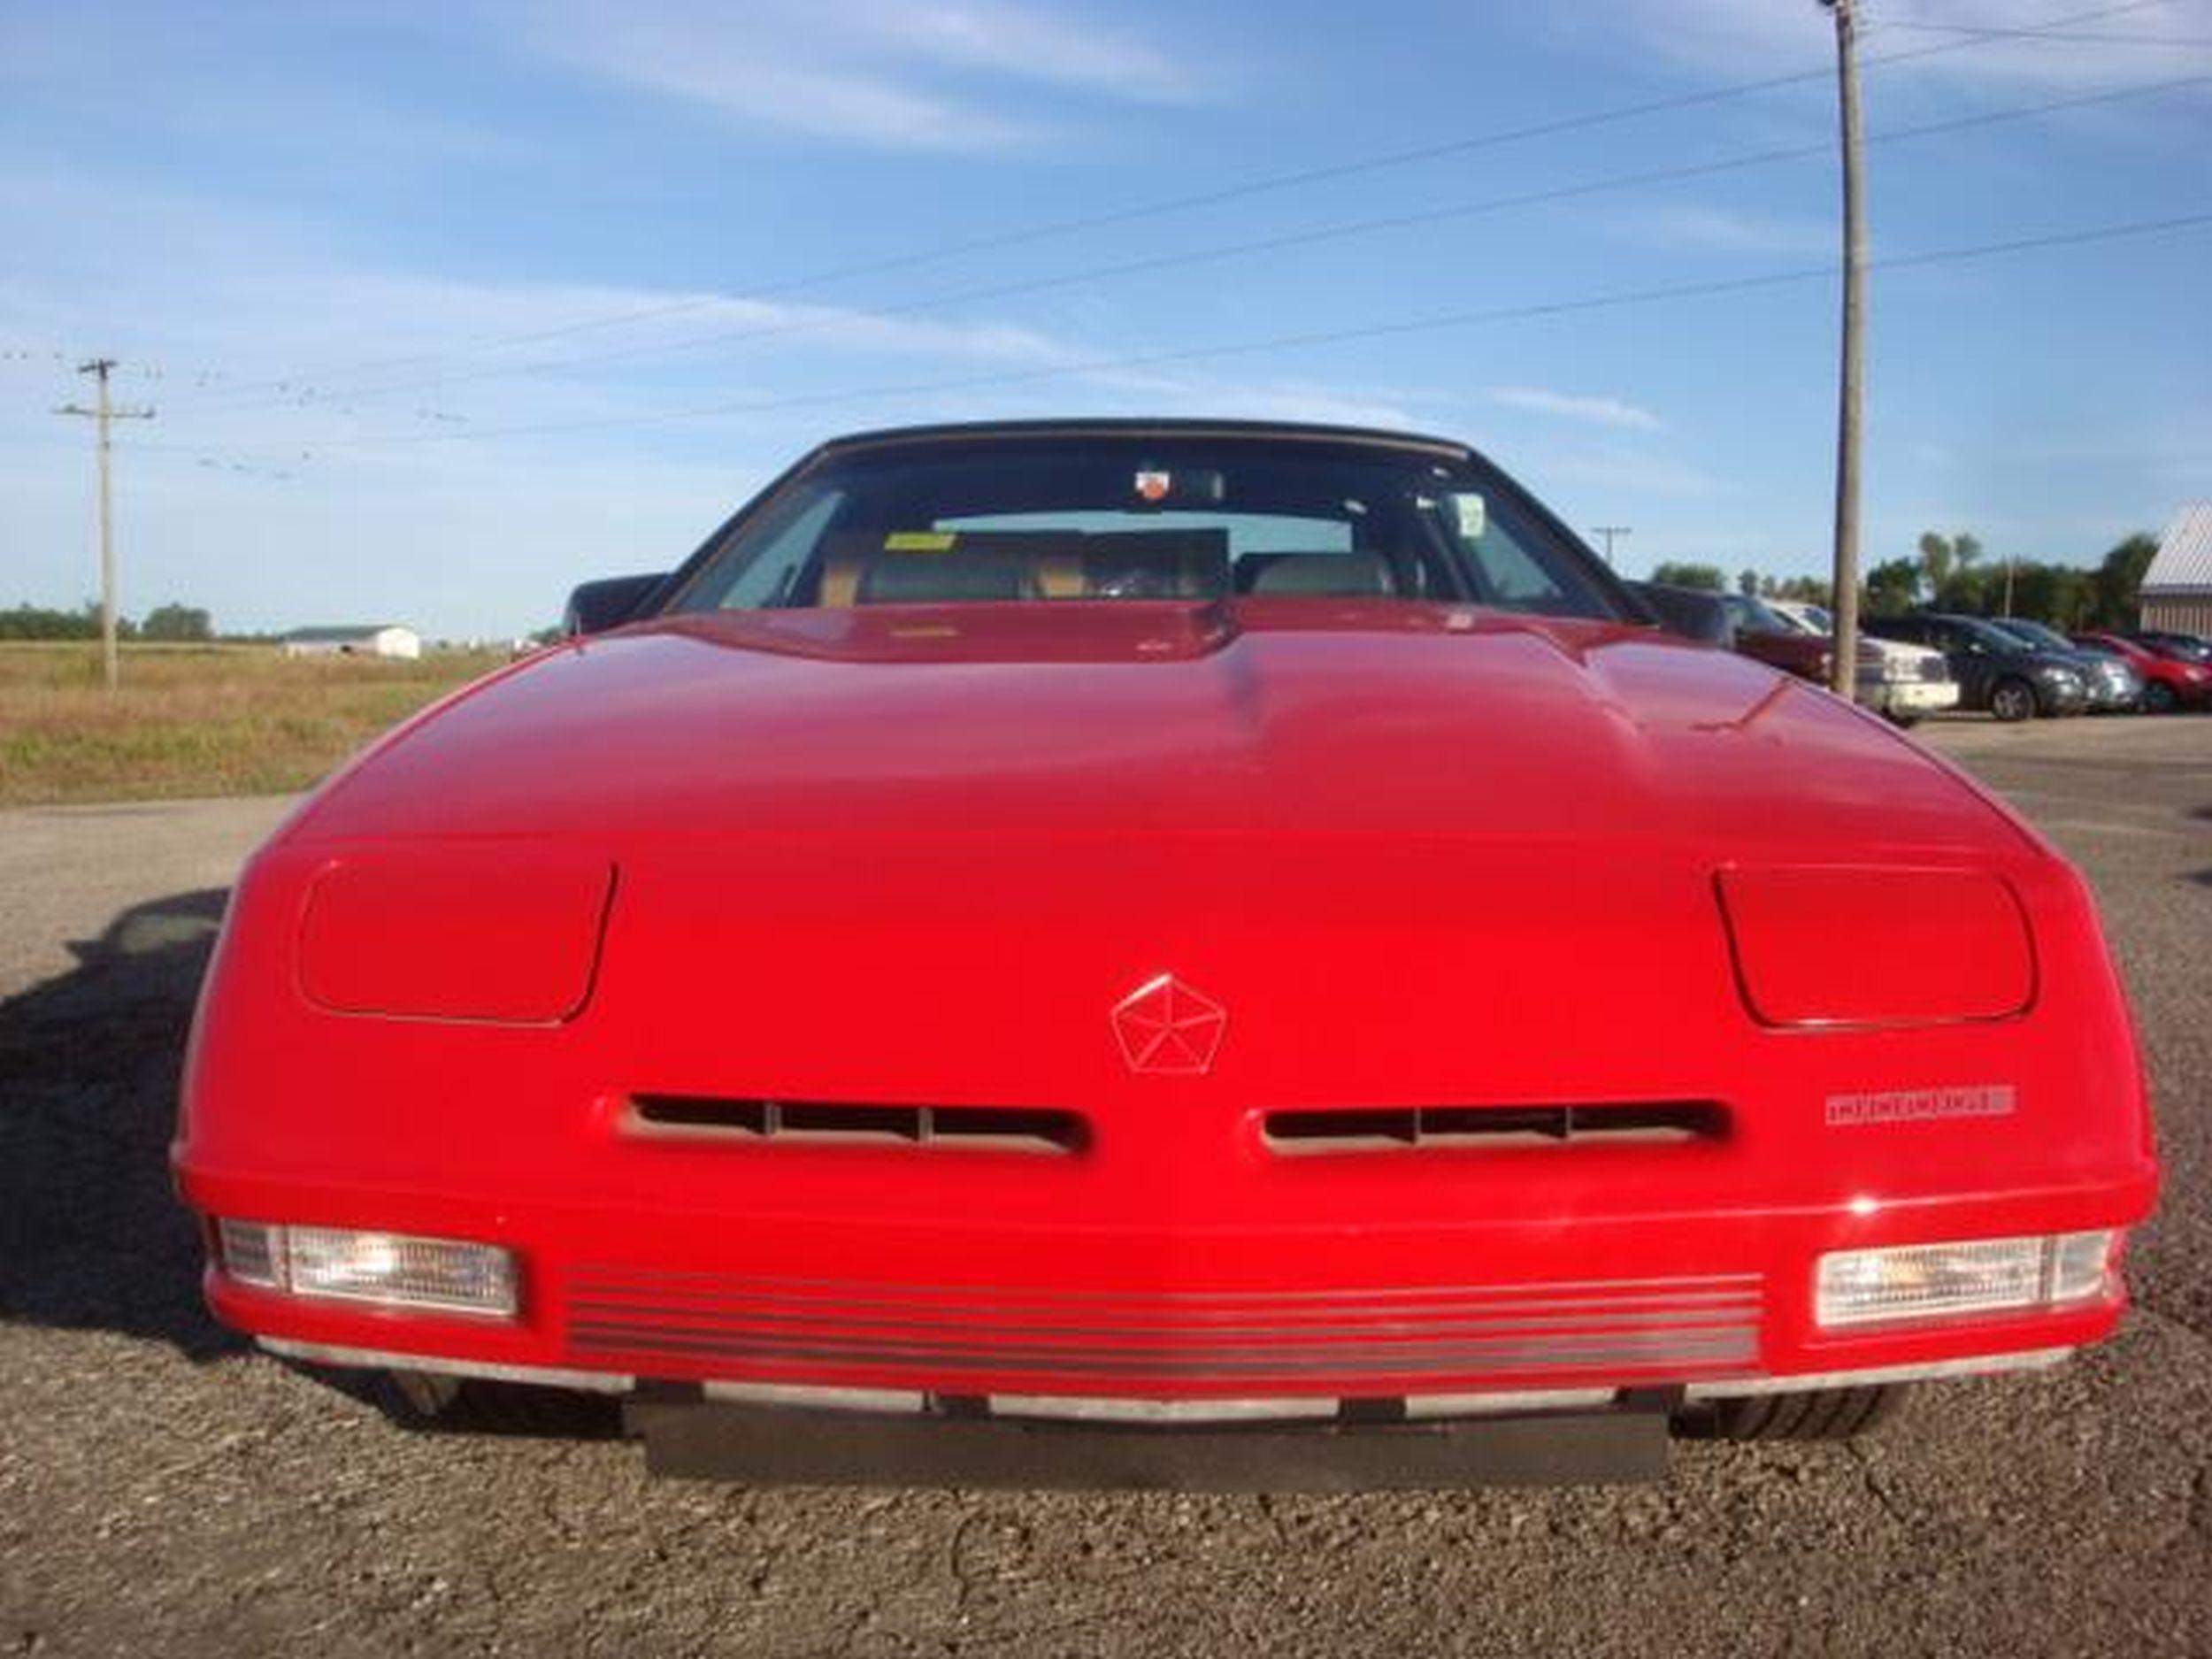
(1843, 673)
(103, 413)
(1609, 531)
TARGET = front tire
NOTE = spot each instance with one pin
(2012, 700)
(2158, 698)
(1818, 1414)
(1903, 719)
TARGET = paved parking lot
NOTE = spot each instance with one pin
(162, 1489)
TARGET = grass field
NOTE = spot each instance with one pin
(197, 720)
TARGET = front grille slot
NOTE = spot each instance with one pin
(976, 1128)
(1382, 1129)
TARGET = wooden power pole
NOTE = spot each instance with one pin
(1843, 675)
(101, 413)
(1609, 531)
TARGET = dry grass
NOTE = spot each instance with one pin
(197, 720)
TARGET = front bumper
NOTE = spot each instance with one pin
(2063, 697)
(1462, 1313)
(1911, 696)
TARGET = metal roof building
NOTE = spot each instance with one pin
(2178, 586)
(377, 639)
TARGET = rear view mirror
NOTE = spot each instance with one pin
(609, 602)
(1695, 613)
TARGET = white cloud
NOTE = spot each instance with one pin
(1029, 42)
(934, 76)
(1601, 412)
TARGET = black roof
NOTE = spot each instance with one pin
(1125, 427)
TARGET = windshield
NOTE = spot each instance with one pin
(2182, 647)
(1802, 619)
(2036, 633)
(1106, 518)
(1988, 633)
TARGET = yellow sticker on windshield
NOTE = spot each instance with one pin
(919, 542)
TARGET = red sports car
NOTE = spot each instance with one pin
(1182, 953)
(2170, 680)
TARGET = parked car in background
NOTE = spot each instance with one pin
(2114, 687)
(1695, 614)
(2186, 647)
(1094, 923)
(1760, 632)
(2008, 677)
(1913, 681)
(2171, 680)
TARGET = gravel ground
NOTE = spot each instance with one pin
(163, 1489)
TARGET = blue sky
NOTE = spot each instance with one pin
(354, 253)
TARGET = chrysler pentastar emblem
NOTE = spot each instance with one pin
(1165, 1026)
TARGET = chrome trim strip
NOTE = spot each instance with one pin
(822, 1398)
(1931, 1371)
(1111, 1409)
(1423, 1406)
(377, 1359)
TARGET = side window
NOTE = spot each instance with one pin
(772, 575)
(1505, 573)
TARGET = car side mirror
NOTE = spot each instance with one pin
(609, 602)
(1693, 612)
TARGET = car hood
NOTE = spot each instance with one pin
(1286, 717)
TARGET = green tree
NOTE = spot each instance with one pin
(2060, 594)
(1748, 583)
(1893, 586)
(1673, 573)
(1937, 559)
(176, 622)
(38, 622)
(1811, 590)
(2116, 584)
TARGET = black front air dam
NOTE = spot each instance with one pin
(704, 1439)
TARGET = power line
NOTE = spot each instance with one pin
(2114, 37)
(1315, 337)
(1306, 237)
(1157, 207)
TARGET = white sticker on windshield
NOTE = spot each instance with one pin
(1474, 516)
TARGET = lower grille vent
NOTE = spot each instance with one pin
(979, 1128)
(1382, 1129)
(942, 1337)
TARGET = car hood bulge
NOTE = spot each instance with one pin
(1292, 717)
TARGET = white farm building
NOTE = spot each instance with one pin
(386, 639)
(2178, 586)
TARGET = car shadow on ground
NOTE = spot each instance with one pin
(92, 1236)
(90, 1233)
